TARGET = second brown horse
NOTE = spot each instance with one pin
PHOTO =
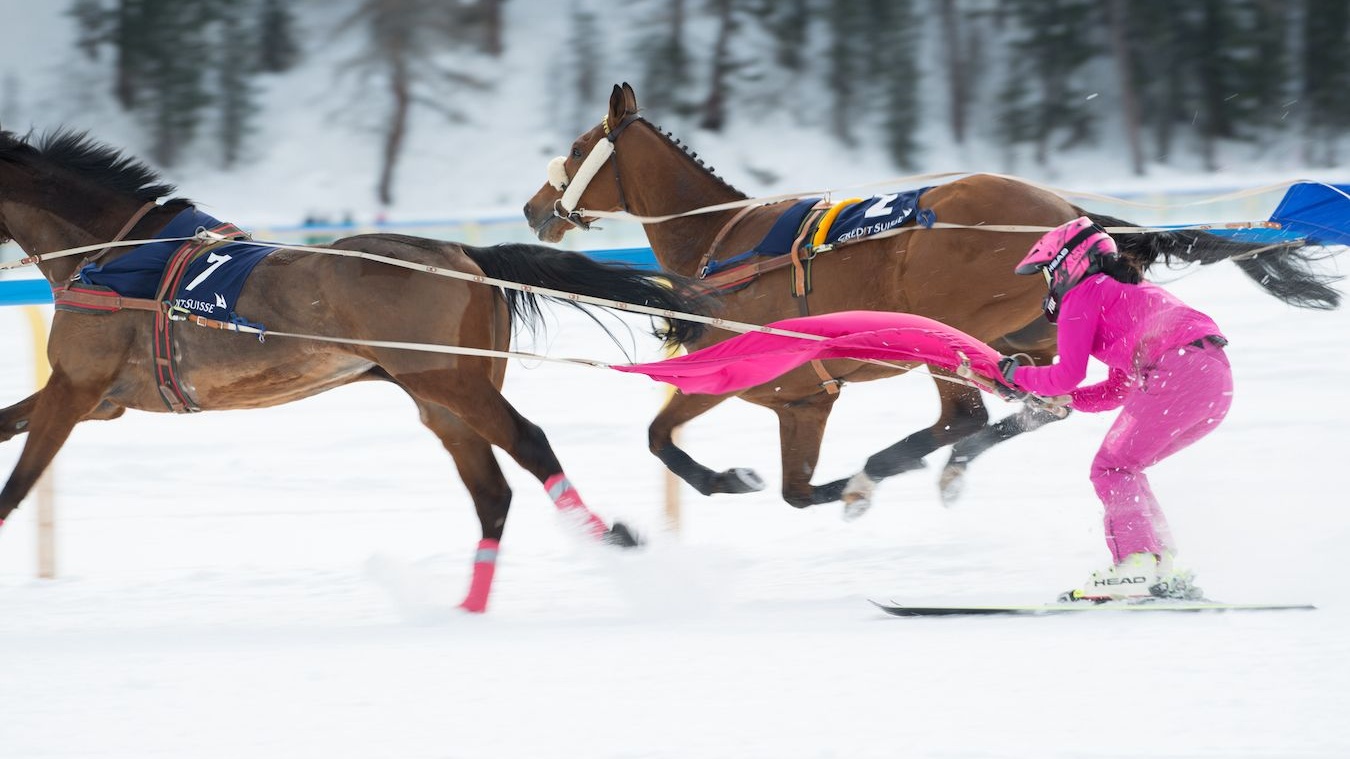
(962, 277)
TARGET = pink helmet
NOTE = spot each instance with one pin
(1067, 255)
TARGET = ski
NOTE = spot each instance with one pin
(1080, 607)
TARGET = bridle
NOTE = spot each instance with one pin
(574, 187)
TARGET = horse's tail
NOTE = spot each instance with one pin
(542, 266)
(1286, 270)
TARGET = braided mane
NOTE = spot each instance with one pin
(692, 156)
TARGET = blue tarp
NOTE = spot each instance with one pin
(1318, 212)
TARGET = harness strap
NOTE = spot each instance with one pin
(177, 397)
(801, 283)
(801, 265)
(126, 230)
(100, 300)
(721, 235)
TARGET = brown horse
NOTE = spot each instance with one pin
(66, 191)
(963, 277)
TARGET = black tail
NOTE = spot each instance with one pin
(1286, 270)
(555, 269)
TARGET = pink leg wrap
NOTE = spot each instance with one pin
(568, 501)
(484, 566)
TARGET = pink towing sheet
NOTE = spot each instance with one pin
(757, 357)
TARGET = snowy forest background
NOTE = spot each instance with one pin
(1033, 87)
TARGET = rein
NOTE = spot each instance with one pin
(126, 230)
(924, 178)
(165, 309)
(605, 151)
(41, 257)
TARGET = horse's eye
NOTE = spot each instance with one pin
(576, 152)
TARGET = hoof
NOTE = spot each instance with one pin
(739, 480)
(951, 483)
(619, 535)
(857, 496)
(853, 509)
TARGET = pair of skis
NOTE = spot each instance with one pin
(1142, 606)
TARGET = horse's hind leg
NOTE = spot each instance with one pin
(477, 402)
(1025, 419)
(963, 413)
(661, 441)
(487, 487)
(1036, 341)
(54, 412)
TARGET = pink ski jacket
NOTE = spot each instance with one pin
(1127, 327)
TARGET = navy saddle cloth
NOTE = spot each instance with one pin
(867, 217)
(212, 283)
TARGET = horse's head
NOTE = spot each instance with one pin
(576, 182)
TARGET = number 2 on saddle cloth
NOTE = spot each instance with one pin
(805, 229)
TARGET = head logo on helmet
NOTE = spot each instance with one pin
(1067, 255)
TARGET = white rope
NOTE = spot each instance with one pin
(397, 344)
(730, 325)
(489, 353)
(727, 324)
(914, 178)
(41, 257)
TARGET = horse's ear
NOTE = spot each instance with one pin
(622, 102)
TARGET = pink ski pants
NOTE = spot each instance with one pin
(1183, 396)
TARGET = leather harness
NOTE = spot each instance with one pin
(94, 299)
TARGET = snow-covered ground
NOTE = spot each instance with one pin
(279, 583)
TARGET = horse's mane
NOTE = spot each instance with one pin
(691, 155)
(78, 153)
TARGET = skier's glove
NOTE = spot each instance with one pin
(1004, 384)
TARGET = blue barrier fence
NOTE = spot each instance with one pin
(24, 292)
(35, 292)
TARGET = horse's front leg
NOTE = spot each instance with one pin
(801, 427)
(491, 494)
(55, 411)
(1026, 419)
(661, 442)
(963, 413)
(14, 420)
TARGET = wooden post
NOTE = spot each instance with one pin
(46, 499)
(673, 483)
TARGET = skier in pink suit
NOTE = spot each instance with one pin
(1168, 375)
